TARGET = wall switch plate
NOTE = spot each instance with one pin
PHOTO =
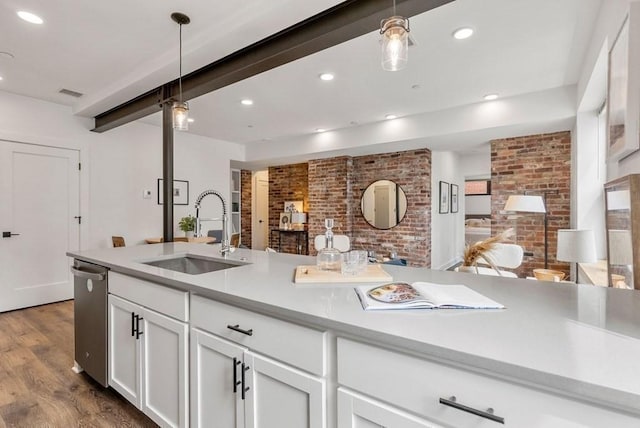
(146, 194)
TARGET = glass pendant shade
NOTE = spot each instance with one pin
(180, 111)
(395, 43)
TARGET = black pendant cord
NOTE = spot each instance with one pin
(180, 75)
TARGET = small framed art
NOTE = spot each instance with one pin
(180, 192)
(444, 197)
(454, 198)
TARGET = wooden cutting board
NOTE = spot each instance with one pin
(311, 274)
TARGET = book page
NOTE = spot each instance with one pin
(454, 295)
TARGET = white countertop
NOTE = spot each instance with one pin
(577, 339)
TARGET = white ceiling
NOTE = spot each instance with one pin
(112, 51)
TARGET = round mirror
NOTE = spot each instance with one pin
(383, 204)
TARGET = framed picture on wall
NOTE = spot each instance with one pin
(180, 192)
(622, 101)
(293, 206)
(285, 221)
(444, 197)
(454, 198)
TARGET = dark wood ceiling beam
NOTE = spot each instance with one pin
(343, 22)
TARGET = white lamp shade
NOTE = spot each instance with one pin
(298, 217)
(525, 203)
(576, 245)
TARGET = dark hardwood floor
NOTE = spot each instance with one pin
(37, 386)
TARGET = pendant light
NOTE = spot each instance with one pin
(395, 41)
(180, 109)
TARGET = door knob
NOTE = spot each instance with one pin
(260, 221)
(9, 234)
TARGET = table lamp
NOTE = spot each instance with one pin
(576, 246)
(530, 204)
(298, 220)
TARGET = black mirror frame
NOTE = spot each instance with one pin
(399, 216)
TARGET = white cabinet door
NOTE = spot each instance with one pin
(148, 361)
(357, 411)
(164, 343)
(281, 396)
(216, 374)
(124, 352)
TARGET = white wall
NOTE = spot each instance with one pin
(447, 230)
(609, 22)
(118, 165)
(478, 204)
(588, 169)
(477, 165)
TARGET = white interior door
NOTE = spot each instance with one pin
(260, 215)
(40, 198)
(382, 207)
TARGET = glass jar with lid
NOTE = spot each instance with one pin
(329, 258)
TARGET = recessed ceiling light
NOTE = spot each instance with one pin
(247, 102)
(463, 33)
(191, 120)
(320, 129)
(326, 76)
(491, 97)
(0, 77)
(30, 17)
(390, 116)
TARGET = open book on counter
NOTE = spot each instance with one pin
(423, 295)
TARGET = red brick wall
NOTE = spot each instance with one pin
(286, 183)
(329, 196)
(535, 164)
(335, 189)
(411, 170)
(245, 207)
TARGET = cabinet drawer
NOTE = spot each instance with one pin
(417, 385)
(299, 346)
(166, 300)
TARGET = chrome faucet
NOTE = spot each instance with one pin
(225, 240)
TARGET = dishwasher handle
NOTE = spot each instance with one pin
(87, 275)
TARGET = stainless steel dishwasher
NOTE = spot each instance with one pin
(90, 319)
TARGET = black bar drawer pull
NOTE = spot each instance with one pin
(138, 332)
(244, 389)
(487, 414)
(133, 324)
(239, 330)
(236, 382)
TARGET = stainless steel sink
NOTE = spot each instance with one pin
(193, 265)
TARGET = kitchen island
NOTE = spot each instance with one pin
(558, 355)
